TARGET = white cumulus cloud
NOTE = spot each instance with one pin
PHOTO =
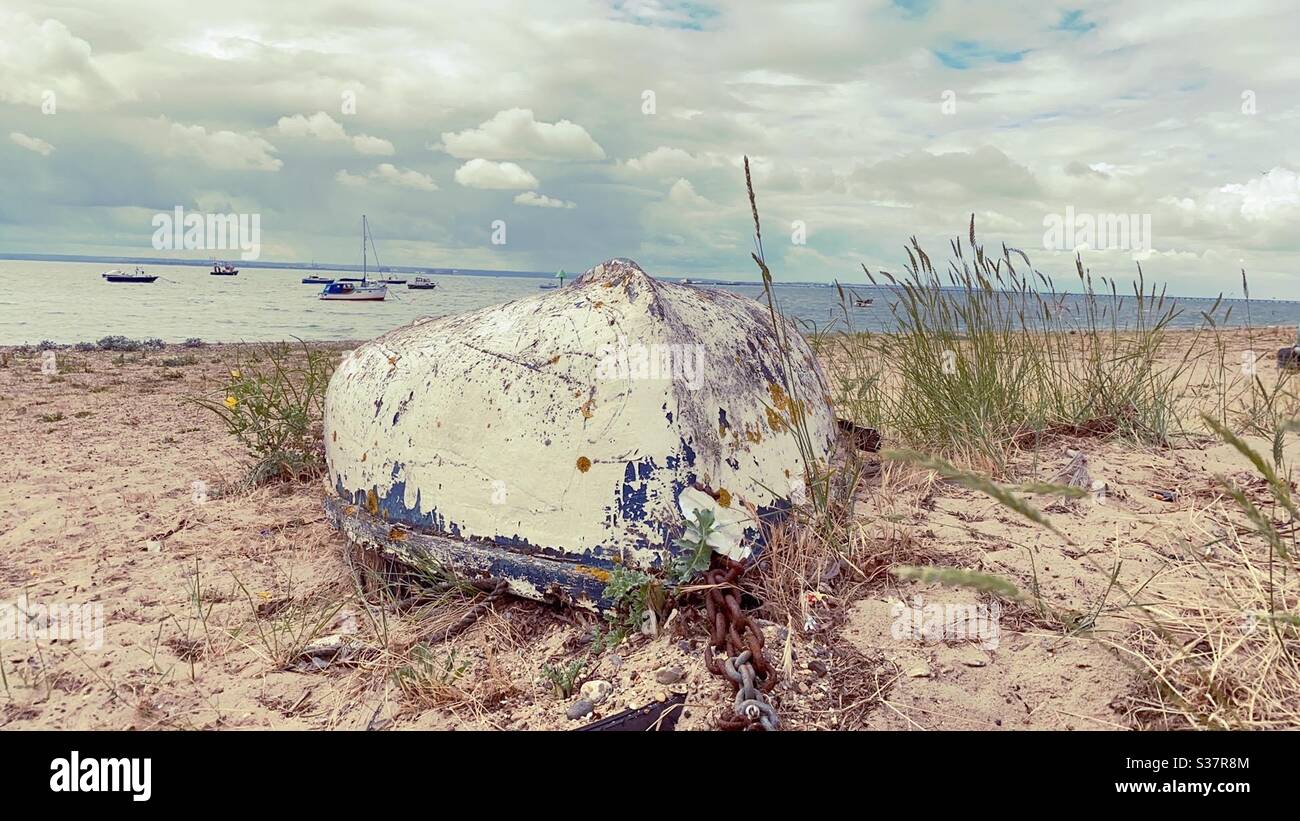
(536, 200)
(515, 134)
(322, 126)
(480, 173)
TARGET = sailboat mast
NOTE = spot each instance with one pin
(363, 249)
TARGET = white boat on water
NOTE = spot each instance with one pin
(121, 276)
(363, 291)
(355, 291)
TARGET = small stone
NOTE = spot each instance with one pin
(153, 546)
(801, 687)
(685, 647)
(580, 708)
(596, 691)
(615, 661)
(818, 667)
(919, 670)
(662, 695)
(669, 675)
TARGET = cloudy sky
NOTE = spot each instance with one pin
(599, 129)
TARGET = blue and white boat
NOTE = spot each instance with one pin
(363, 291)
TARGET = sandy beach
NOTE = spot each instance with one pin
(120, 493)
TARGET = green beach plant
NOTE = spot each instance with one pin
(273, 403)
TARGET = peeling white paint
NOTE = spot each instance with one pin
(433, 420)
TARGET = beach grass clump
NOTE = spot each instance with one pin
(273, 403)
(989, 356)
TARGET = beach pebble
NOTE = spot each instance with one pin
(669, 675)
(818, 667)
(596, 691)
(580, 708)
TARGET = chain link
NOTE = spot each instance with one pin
(739, 641)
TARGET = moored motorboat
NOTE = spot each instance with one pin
(121, 276)
(315, 280)
(421, 284)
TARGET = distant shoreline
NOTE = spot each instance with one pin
(491, 272)
(388, 269)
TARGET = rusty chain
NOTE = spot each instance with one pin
(735, 636)
(494, 588)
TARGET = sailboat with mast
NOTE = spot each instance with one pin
(362, 290)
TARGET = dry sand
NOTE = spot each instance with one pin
(201, 596)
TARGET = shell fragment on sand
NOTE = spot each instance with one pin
(554, 438)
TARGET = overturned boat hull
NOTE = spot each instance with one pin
(550, 440)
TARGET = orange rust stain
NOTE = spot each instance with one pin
(586, 408)
(372, 501)
(398, 534)
(774, 420)
(778, 395)
(724, 497)
(554, 359)
(595, 572)
(598, 304)
(364, 455)
(755, 435)
(334, 437)
(584, 464)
